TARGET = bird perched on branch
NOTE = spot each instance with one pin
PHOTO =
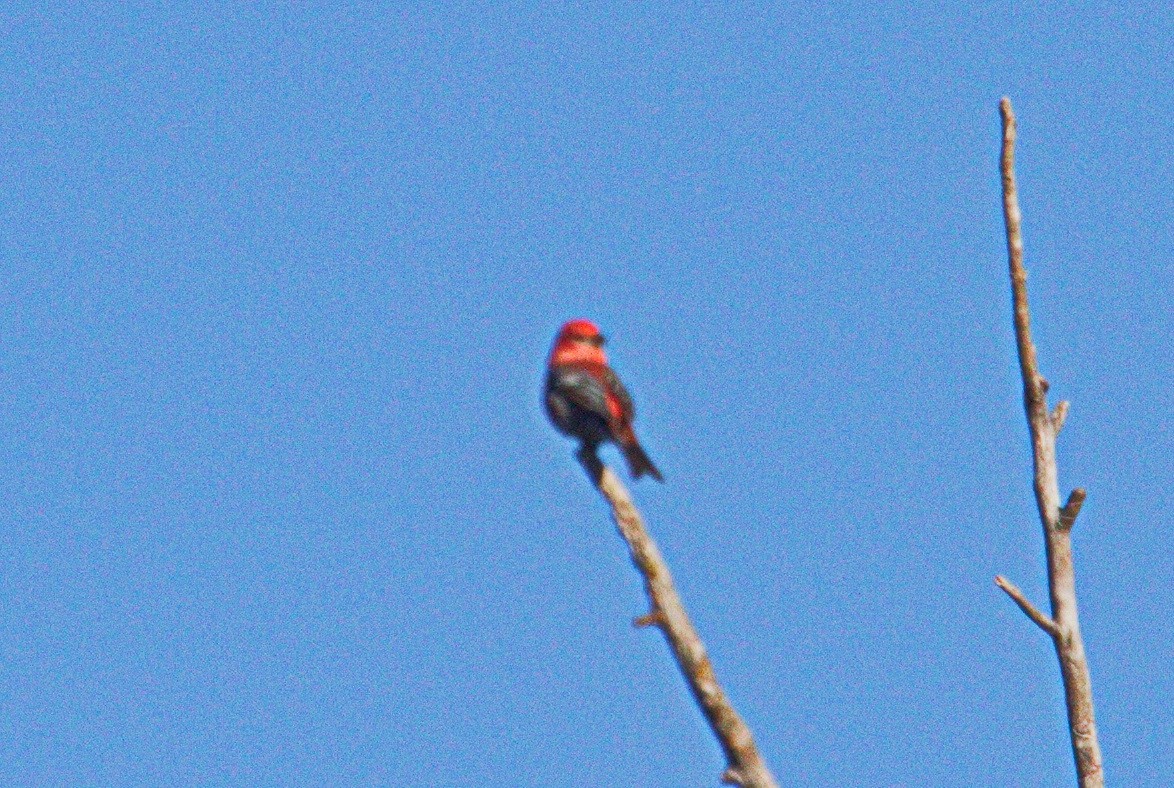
(586, 400)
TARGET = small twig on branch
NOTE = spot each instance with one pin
(1057, 523)
(1059, 416)
(1033, 612)
(647, 620)
(1072, 508)
(745, 766)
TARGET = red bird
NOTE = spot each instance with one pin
(586, 400)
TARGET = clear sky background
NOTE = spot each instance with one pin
(280, 506)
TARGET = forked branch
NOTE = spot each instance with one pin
(1033, 612)
(1064, 625)
(745, 765)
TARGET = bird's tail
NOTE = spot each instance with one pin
(639, 462)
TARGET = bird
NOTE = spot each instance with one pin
(586, 400)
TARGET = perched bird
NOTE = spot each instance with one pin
(586, 400)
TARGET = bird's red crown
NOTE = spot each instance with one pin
(578, 341)
(579, 329)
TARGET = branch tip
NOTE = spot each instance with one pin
(1006, 111)
(1031, 611)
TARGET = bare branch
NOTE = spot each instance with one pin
(1072, 508)
(1057, 537)
(1034, 386)
(1033, 612)
(745, 765)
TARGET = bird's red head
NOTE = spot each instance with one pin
(578, 341)
(581, 330)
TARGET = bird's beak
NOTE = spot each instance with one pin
(599, 340)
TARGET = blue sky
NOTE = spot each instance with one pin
(280, 506)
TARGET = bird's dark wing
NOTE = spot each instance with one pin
(627, 407)
(580, 387)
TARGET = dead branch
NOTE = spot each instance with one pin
(745, 766)
(1064, 624)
